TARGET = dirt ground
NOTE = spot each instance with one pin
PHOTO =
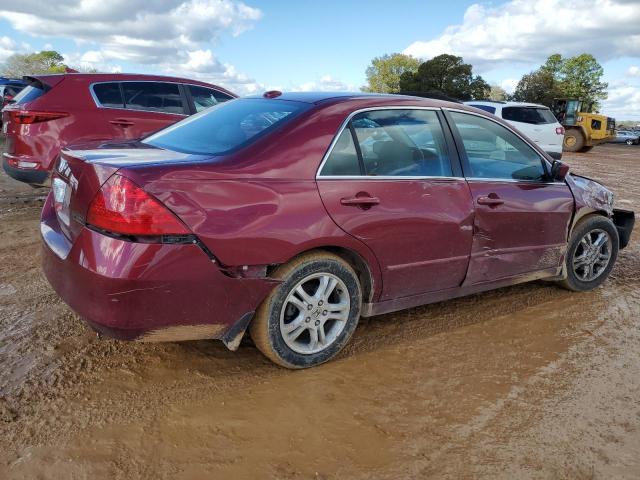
(524, 382)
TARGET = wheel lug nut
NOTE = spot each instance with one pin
(325, 312)
(320, 303)
(308, 319)
(309, 307)
(317, 322)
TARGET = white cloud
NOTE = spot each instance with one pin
(509, 84)
(528, 31)
(326, 83)
(623, 102)
(166, 34)
(633, 71)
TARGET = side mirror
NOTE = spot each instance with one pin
(559, 170)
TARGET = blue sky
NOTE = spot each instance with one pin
(327, 45)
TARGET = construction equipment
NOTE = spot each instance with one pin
(583, 130)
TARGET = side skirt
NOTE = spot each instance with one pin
(394, 305)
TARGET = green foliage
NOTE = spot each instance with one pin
(47, 61)
(574, 77)
(445, 74)
(383, 75)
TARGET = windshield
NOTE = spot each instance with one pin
(227, 126)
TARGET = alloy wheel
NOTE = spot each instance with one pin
(592, 255)
(314, 313)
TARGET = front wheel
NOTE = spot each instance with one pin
(312, 314)
(629, 142)
(592, 252)
(573, 140)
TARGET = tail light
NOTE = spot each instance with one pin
(124, 208)
(23, 117)
(560, 130)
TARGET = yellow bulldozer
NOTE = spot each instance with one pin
(583, 130)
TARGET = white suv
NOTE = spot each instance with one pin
(535, 121)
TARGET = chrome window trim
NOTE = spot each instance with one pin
(388, 177)
(99, 105)
(511, 180)
(372, 177)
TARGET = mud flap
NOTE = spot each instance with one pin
(233, 336)
(624, 221)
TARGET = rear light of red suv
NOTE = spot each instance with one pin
(123, 208)
(25, 117)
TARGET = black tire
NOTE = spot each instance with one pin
(589, 225)
(266, 329)
(586, 149)
(573, 140)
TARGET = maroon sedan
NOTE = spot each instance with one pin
(292, 215)
(55, 110)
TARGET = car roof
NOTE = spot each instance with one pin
(502, 104)
(336, 97)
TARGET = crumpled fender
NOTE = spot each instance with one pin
(590, 196)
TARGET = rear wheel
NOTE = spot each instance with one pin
(592, 252)
(586, 149)
(573, 140)
(629, 142)
(312, 314)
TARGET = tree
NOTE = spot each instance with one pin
(574, 77)
(498, 93)
(582, 78)
(383, 75)
(539, 86)
(446, 74)
(47, 61)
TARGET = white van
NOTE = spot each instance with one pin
(535, 121)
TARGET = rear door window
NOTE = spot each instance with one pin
(153, 97)
(108, 94)
(402, 143)
(530, 115)
(204, 97)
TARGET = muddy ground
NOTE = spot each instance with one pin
(525, 382)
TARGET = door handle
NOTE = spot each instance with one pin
(492, 200)
(363, 202)
(121, 122)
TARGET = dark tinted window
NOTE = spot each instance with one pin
(486, 108)
(204, 97)
(29, 94)
(495, 152)
(402, 143)
(532, 115)
(226, 126)
(108, 94)
(153, 96)
(343, 160)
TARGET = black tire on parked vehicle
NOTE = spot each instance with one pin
(586, 149)
(592, 252)
(573, 140)
(312, 314)
(629, 141)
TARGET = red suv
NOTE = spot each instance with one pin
(55, 110)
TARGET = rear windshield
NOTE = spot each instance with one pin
(226, 126)
(486, 108)
(29, 94)
(533, 115)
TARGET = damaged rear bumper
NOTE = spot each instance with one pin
(148, 291)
